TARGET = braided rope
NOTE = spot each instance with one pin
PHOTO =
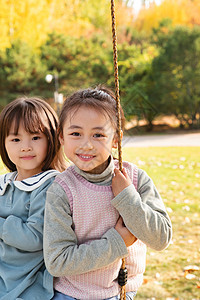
(114, 36)
(116, 82)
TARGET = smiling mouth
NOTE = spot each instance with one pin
(85, 157)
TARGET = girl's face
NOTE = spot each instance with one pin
(88, 138)
(27, 151)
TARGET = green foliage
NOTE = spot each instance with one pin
(176, 71)
(139, 91)
(20, 71)
(159, 74)
(78, 62)
(163, 79)
(96, 12)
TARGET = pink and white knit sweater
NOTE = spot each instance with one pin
(93, 215)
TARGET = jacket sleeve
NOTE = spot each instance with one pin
(27, 235)
(63, 256)
(144, 213)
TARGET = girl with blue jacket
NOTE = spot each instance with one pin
(29, 148)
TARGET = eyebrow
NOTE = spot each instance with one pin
(99, 128)
(74, 127)
(79, 127)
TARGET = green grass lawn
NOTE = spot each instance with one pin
(176, 174)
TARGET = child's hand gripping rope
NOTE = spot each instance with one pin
(120, 181)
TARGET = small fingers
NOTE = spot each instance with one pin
(116, 171)
(124, 173)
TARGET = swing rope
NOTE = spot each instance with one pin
(122, 277)
(114, 36)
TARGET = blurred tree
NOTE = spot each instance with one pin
(182, 12)
(78, 62)
(137, 88)
(20, 72)
(31, 21)
(26, 20)
(177, 73)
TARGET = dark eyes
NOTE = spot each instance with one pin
(15, 140)
(98, 135)
(75, 134)
(35, 138)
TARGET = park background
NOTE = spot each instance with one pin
(159, 74)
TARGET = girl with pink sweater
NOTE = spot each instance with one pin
(96, 215)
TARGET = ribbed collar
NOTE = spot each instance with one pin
(28, 184)
(102, 179)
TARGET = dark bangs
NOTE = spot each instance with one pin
(101, 99)
(32, 118)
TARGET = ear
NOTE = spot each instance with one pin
(115, 140)
(61, 139)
